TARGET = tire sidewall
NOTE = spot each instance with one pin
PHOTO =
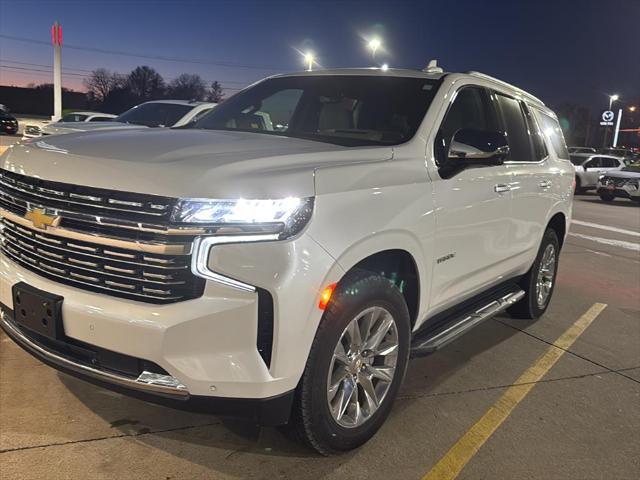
(549, 237)
(372, 292)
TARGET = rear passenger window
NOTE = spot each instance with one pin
(470, 109)
(551, 129)
(520, 149)
(539, 148)
(610, 163)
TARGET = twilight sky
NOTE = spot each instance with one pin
(560, 50)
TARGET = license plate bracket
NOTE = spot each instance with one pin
(38, 310)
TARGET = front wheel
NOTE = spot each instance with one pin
(606, 197)
(355, 367)
(540, 280)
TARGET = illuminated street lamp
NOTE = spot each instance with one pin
(384, 67)
(613, 98)
(374, 45)
(309, 60)
(632, 108)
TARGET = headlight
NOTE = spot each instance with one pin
(284, 217)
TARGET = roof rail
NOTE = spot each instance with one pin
(495, 80)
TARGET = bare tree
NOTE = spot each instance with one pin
(146, 83)
(187, 87)
(216, 93)
(100, 82)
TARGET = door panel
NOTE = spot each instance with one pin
(472, 233)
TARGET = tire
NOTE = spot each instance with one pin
(312, 420)
(605, 197)
(530, 307)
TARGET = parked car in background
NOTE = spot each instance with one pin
(283, 257)
(582, 150)
(590, 166)
(157, 113)
(8, 123)
(33, 131)
(624, 183)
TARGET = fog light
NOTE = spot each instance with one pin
(151, 378)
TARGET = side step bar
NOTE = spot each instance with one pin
(434, 340)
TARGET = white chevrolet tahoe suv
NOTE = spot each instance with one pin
(284, 258)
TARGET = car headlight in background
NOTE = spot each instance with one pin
(239, 221)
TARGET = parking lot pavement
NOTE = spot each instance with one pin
(581, 420)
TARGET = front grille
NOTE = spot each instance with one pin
(84, 204)
(618, 182)
(153, 278)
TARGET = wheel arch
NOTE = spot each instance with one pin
(558, 223)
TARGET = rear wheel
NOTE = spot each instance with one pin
(539, 282)
(355, 367)
(606, 197)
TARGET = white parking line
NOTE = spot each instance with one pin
(605, 227)
(608, 241)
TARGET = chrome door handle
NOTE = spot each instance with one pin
(545, 184)
(502, 188)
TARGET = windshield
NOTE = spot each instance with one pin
(344, 110)
(154, 114)
(576, 160)
(73, 117)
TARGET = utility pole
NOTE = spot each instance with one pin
(56, 40)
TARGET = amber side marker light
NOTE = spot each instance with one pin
(325, 296)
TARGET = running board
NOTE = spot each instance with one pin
(434, 340)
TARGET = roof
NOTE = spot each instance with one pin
(181, 102)
(406, 73)
(374, 72)
(83, 112)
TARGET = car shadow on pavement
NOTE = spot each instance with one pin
(208, 440)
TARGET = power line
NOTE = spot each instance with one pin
(150, 56)
(42, 65)
(48, 72)
(85, 76)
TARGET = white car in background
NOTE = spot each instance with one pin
(33, 131)
(157, 113)
(582, 150)
(624, 183)
(590, 166)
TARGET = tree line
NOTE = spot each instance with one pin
(114, 92)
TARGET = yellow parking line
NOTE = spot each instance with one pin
(464, 449)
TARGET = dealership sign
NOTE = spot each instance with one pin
(607, 118)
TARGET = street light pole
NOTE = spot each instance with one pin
(612, 98)
(56, 40)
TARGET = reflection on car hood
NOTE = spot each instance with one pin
(185, 162)
(59, 128)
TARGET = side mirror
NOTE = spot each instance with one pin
(478, 147)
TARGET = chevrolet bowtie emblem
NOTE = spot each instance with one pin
(41, 220)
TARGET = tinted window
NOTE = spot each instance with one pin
(350, 110)
(595, 162)
(539, 148)
(100, 119)
(154, 114)
(610, 162)
(73, 117)
(551, 129)
(517, 130)
(470, 109)
(577, 159)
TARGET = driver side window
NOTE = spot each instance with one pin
(471, 108)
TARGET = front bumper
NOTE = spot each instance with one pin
(208, 344)
(265, 411)
(624, 191)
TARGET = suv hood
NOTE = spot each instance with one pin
(623, 174)
(59, 128)
(184, 162)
